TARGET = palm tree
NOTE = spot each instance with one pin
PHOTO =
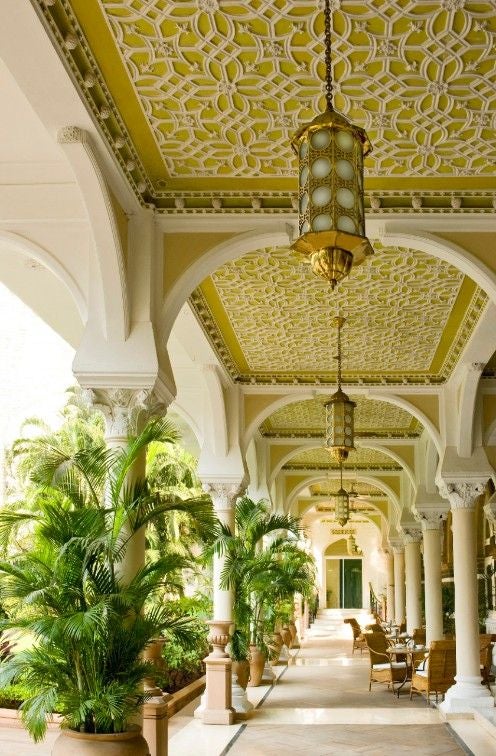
(262, 567)
(65, 585)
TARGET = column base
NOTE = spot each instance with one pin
(242, 707)
(466, 694)
(218, 716)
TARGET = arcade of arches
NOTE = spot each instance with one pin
(147, 207)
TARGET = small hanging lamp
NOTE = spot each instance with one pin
(341, 502)
(339, 430)
(330, 152)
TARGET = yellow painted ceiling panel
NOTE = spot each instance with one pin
(211, 90)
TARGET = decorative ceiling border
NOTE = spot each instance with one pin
(209, 325)
(302, 433)
(68, 39)
(375, 467)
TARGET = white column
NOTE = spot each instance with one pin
(399, 583)
(467, 693)
(431, 534)
(224, 495)
(390, 587)
(126, 411)
(412, 540)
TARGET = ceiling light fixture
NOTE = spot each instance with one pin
(330, 152)
(341, 502)
(339, 409)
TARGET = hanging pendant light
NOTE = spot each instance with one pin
(330, 152)
(339, 430)
(341, 502)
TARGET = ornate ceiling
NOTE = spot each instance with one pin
(268, 317)
(360, 459)
(205, 94)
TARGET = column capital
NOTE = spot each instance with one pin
(462, 494)
(224, 491)
(412, 533)
(397, 545)
(431, 518)
(125, 409)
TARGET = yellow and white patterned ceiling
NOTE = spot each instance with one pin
(360, 459)
(372, 418)
(268, 316)
(207, 93)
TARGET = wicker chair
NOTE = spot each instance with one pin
(439, 670)
(486, 658)
(382, 668)
(358, 639)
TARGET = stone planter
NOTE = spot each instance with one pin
(276, 643)
(242, 671)
(293, 631)
(257, 663)
(72, 743)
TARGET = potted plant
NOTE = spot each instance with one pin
(90, 620)
(261, 571)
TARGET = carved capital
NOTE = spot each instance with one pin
(71, 135)
(412, 534)
(397, 546)
(126, 410)
(431, 518)
(462, 494)
(224, 492)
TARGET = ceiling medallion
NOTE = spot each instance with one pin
(339, 409)
(330, 153)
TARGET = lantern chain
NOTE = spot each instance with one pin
(327, 42)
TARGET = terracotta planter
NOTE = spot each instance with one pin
(242, 671)
(257, 664)
(276, 644)
(153, 654)
(286, 636)
(72, 743)
(293, 631)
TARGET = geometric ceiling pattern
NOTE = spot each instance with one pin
(211, 90)
(372, 419)
(268, 316)
(360, 459)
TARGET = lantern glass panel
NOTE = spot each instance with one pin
(321, 167)
(322, 222)
(303, 149)
(346, 198)
(303, 203)
(321, 196)
(344, 169)
(344, 140)
(304, 175)
(345, 223)
(320, 139)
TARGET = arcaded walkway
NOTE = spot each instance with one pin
(319, 706)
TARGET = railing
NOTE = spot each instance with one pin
(377, 606)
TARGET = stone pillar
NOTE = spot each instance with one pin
(399, 583)
(390, 587)
(467, 693)
(431, 534)
(223, 697)
(126, 411)
(412, 539)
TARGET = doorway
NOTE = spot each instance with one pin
(344, 583)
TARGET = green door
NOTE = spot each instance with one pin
(351, 583)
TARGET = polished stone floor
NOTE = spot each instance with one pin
(319, 705)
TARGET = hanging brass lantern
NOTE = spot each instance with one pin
(339, 430)
(330, 153)
(341, 502)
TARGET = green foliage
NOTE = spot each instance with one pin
(12, 696)
(264, 570)
(90, 623)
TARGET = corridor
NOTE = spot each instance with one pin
(321, 705)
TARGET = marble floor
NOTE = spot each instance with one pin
(319, 705)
